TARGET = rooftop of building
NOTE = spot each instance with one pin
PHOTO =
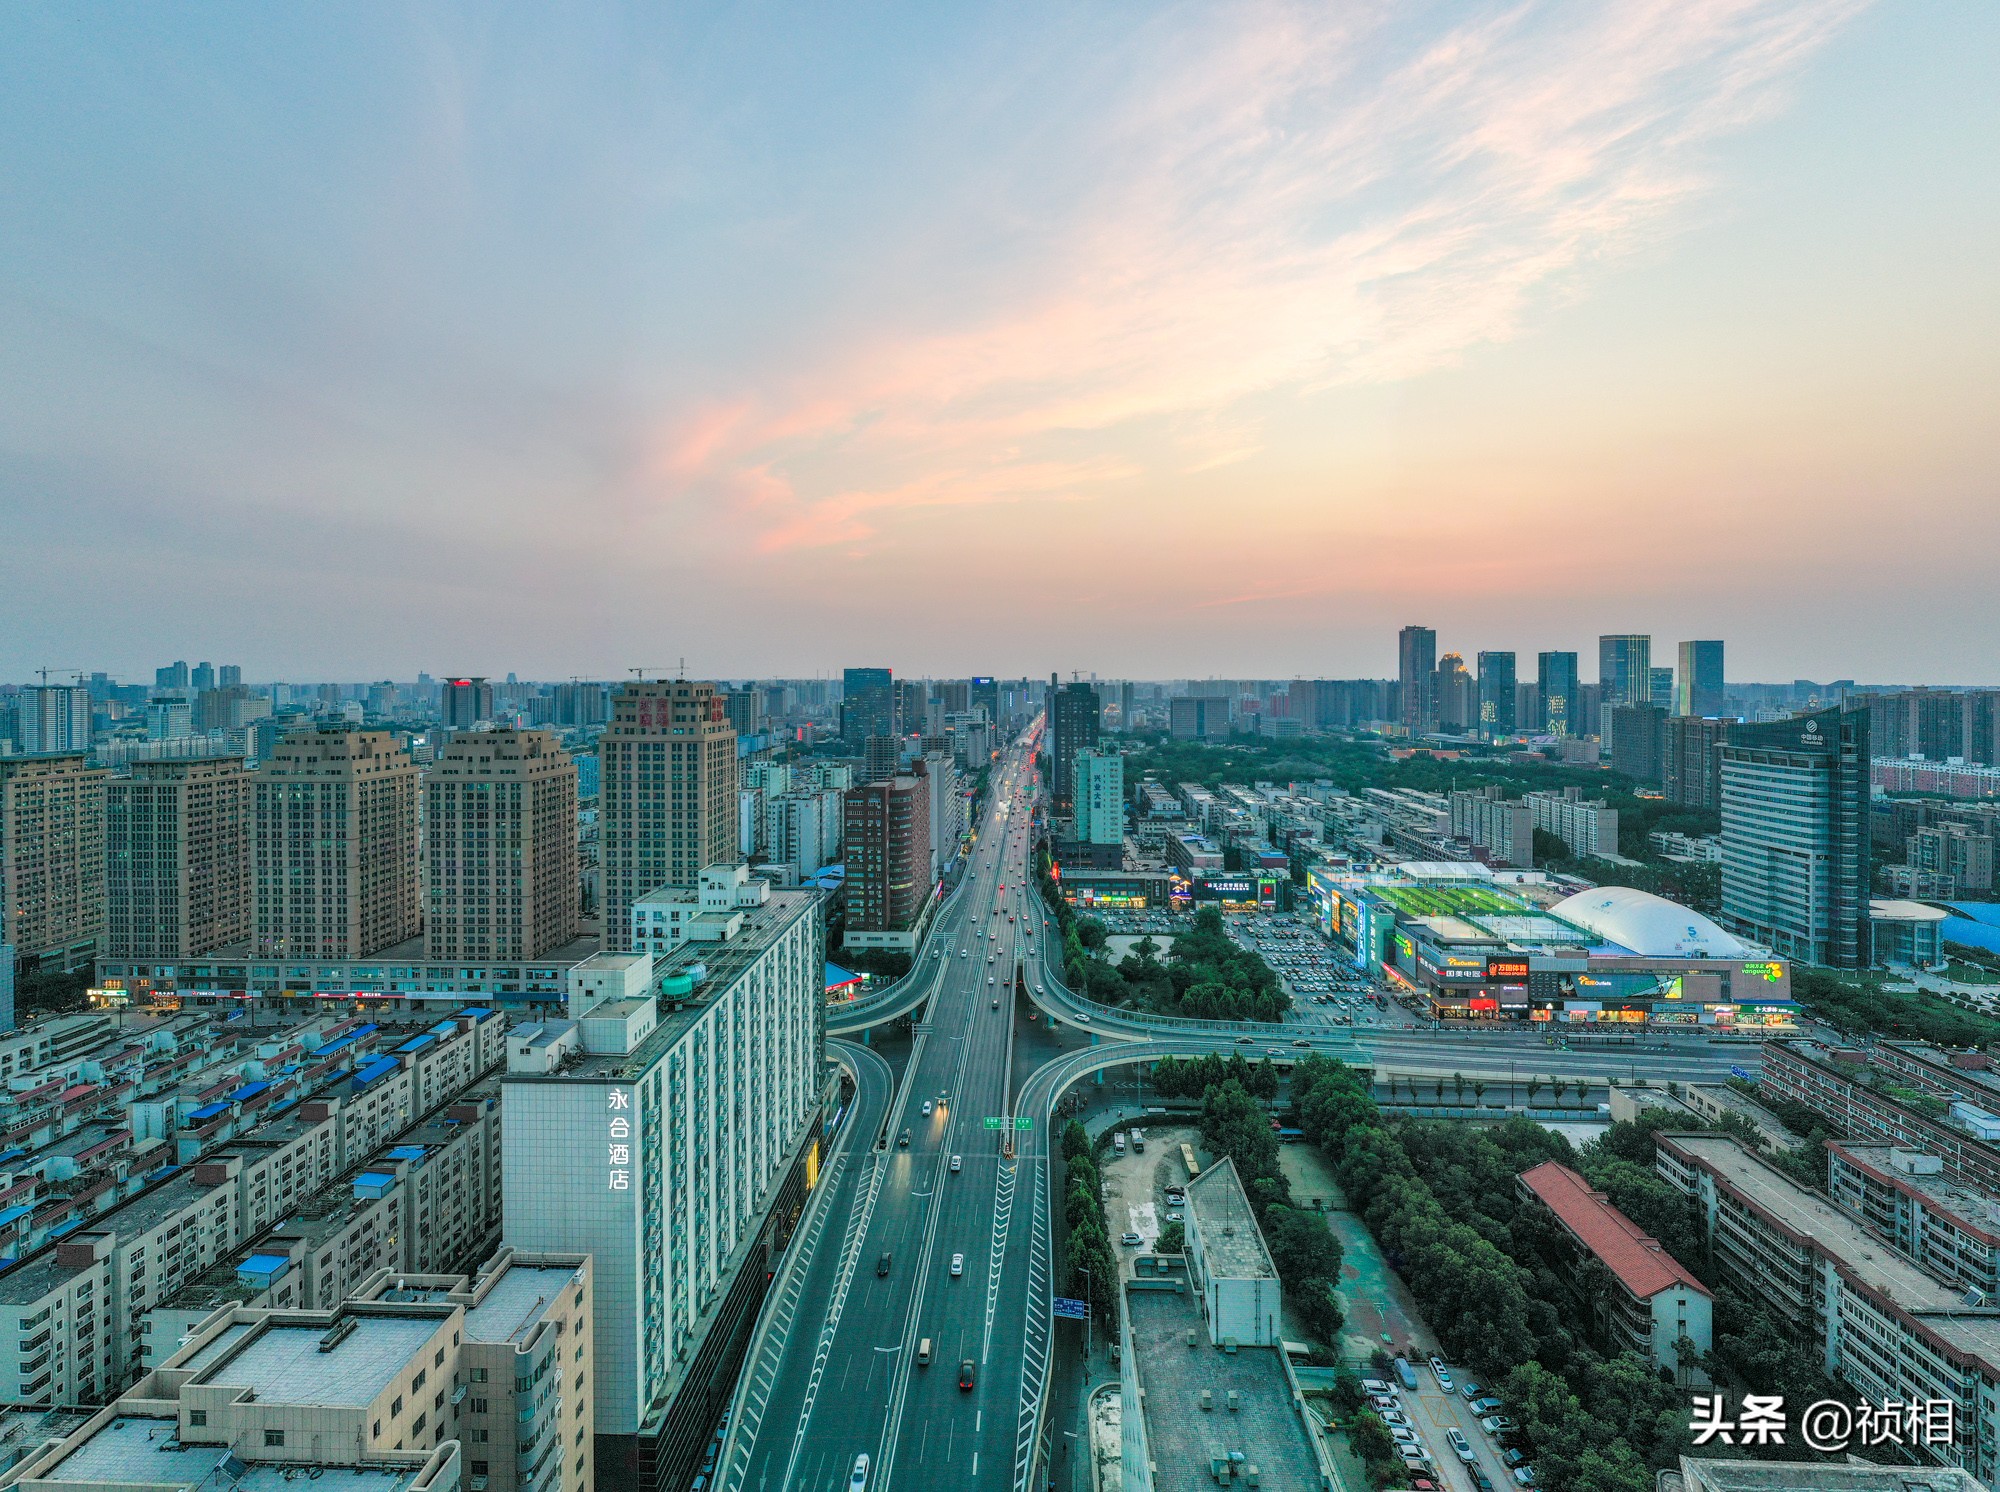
(24, 1430)
(1181, 1440)
(142, 1451)
(1649, 925)
(1882, 910)
(1231, 1242)
(293, 1364)
(518, 1299)
(1864, 1257)
(1976, 1209)
(1637, 1260)
(1700, 1474)
(722, 964)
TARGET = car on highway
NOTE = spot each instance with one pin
(1130, 1239)
(957, 1265)
(903, 1140)
(1302, 1042)
(859, 1479)
(957, 1162)
(965, 1372)
(927, 1108)
(1246, 1040)
(882, 1265)
(1460, 1446)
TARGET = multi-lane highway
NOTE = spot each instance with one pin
(835, 1371)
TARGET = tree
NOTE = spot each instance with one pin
(1559, 1086)
(1458, 1083)
(1534, 1087)
(1076, 1139)
(1172, 1239)
(1479, 1092)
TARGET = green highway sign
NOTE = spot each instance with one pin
(992, 1121)
(1021, 1121)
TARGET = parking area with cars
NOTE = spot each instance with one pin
(1452, 1431)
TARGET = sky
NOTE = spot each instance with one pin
(1158, 340)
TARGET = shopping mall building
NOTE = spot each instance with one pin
(1476, 944)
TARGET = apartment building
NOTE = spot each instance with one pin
(52, 859)
(1857, 1098)
(500, 830)
(1888, 1328)
(1649, 1304)
(667, 796)
(1950, 1229)
(890, 874)
(177, 858)
(1506, 830)
(335, 834)
(1587, 828)
(672, 1143)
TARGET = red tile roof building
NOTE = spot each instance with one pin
(1649, 1302)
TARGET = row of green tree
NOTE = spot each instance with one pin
(1093, 1266)
(1865, 1005)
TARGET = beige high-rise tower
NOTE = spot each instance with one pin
(500, 829)
(52, 859)
(177, 858)
(667, 794)
(336, 845)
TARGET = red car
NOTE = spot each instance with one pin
(965, 1374)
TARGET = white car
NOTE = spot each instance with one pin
(1459, 1445)
(859, 1479)
(1403, 1436)
(956, 1164)
(927, 1107)
(957, 1265)
(1130, 1239)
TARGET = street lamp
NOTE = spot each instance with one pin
(1088, 1312)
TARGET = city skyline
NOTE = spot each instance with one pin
(329, 331)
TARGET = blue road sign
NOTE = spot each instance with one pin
(1737, 1072)
(1074, 1310)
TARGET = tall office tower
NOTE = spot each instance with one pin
(1636, 738)
(1661, 689)
(887, 842)
(52, 859)
(1555, 678)
(169, 720)
(1795, 836)
(177, 858)
(1074, 718)
(582, 704)
(912, 700)
(500, 827)
(229, 676)
(1455, 695)
(1100, 798)
(881, 756)
(202, 676)
(1416, 671)
(985, 695)
(1624, 669)
(667, 794)
(955, 696)
(675, 1147)
(1699, 688)
(745, 709)
(1691, 772)
(465, 703)
(174, 676)
(1497, 685)
(52, 717)
(867, 705)
(336, 845)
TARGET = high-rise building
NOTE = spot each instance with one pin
(173, 676)
(672, 1140)
(1661, 691)
(1699, 689)
(1624, 669)
(1497, 686)
(465, 703)
(1100, 798)
(582, 704)
(867, 704)
(1456, 694)
(947, 804)
(1691, 771)
(1074, 722)
(202, 676)
(177, 857)
(745, 709)
(1197, 718)
(500, 828)
(802, 830)
(52, 717)
(667, 793)
(169, 720)
(887, 842)
(1636, 736)
(336, 845)
(1416, 671)
(881, 756)
(985, 695)
(52, 859)
(1556, 682)
(229, 676)
(1795, 836)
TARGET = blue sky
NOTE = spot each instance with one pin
(353, 341)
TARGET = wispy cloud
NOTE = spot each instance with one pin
(1278, 200)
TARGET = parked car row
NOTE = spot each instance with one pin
(1386, 1399)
